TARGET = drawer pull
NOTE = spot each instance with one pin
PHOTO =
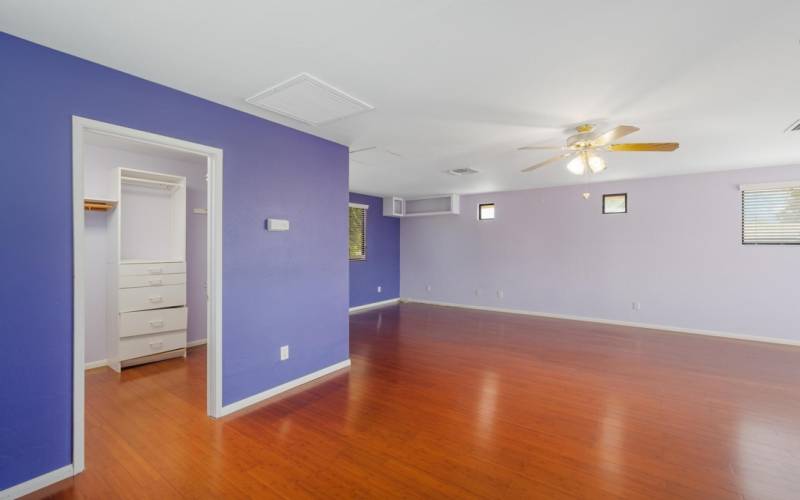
(155, 270)
(156, 299)
(157, 323)
(158, 344)
(155, 281)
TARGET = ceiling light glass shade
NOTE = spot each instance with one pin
(596, 164)
(577, 165)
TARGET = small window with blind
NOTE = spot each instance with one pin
(358, 231)
(486, 211)
(771, 214)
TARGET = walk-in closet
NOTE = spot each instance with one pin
(145, 252)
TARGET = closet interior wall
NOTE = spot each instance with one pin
(102, 156)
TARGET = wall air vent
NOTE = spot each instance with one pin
(794, 127)
(308, 99)
(462, 171)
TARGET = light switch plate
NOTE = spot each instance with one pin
(277, 225)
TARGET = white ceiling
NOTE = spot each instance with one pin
(464, 83)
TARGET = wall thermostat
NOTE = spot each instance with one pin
(277, 225)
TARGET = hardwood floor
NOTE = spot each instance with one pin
(444, 402)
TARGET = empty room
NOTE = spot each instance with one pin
(384, 249)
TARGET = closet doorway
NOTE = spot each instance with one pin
(147, 246)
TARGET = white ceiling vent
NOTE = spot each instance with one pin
(308, 99)
(462, 171)
(794, 127)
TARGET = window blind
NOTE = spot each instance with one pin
(771, 216)
(358, 233)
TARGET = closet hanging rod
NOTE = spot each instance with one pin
(97, 205)
(147, 182)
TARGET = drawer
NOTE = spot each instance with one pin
(151, 280)
(145, 345)
(152, 268)
(153, 321)
(151, 297)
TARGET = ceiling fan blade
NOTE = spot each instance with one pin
(524, 148)
(644, 146)
(549, 161)
(613, 135)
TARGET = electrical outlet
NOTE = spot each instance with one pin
(284, 352)
(477, 292)
(380, 288)
(428, 288)
(500, 293)
(636, 306)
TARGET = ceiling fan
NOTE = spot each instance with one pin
(582, 148)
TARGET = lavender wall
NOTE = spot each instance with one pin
(678, 252)
(270, 280)
(382, 267)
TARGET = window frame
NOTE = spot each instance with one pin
(365, 219)
(745, 188)
(494, 214)
(603, 207)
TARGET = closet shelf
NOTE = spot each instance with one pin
(98, 204)
(169, 186)
(149, 261)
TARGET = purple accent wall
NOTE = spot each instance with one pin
(382, 267)
(678, 252)
(270, 280)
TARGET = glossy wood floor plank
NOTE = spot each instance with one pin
(454, 403)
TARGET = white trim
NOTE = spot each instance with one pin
(769, 185)
(261, 396)
(38, 482)
(373, 305)
(358, 205)
(96, 364)
(104, 362)
(80, 126)
(648, 326)
(79, 298)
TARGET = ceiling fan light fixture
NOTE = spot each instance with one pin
(577, 165)
(596, 164)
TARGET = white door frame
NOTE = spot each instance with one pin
(80, 126)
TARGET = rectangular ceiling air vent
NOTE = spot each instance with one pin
(462, 171)
(308, 99)
(794, 127)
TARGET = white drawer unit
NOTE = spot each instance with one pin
(151, 268)
(152, 321)
(147, 316)
(151, 280)
(147, 345)
(151, 297)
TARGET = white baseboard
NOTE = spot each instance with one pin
(649, 326)
(261, 396)
(38, 483)
(96, 364)
(373, 305)
(104, 362)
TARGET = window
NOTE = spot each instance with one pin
(486, 211)
(615, 203)
(771, 214)
(358, 231)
